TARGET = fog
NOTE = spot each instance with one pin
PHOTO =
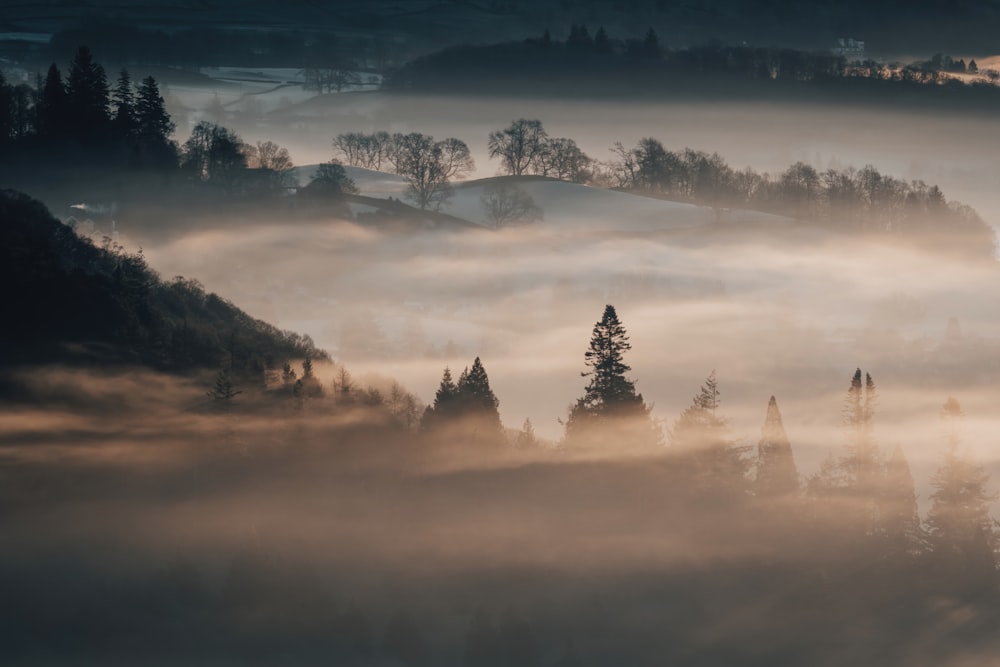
(930, 144)
(139, 517)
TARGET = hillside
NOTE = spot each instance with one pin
(69, 300)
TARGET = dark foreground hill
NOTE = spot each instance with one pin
(69, 300)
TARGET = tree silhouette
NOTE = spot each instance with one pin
(610, 397)
(214, 154)
(900, 522)
(429, 166)
(506, 205)
(961, 533)
(330, 182)
(87, 96)
(223, 389)
(519, 146)
(124, 118)
(478, 403)
(154, 126)
(776, 472)
(52, 108)
(702, 436)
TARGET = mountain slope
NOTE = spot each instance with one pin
(69, 300)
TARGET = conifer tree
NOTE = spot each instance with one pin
(223, 389)
(526, 438)
(154, 126)
(776, 472)
(125, 113)
(477, 402)
(87, 96)
(702, 435)
(900, 521)
(446, 402)
(961, 533)
(51, 111)
(610, 397)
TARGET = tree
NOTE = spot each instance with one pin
(274, 161)
(526, 438)
(561, 158)
(776, 472)
(477, 402)
(154, 125)
(124, 119)
(52, 108)
(214, 154)
(610, 398)
(223, 389)
(900, 522)
(506, 205)
(701, 435)
(446, 402)
(87, 96)
(961, 533)
(368, 151)
(519, 146)
(269, 155)
(429, 166)
(330, 182)
(331, 79)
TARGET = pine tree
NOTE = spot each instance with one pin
(900, 521)
(88, 96)
(857, 476)
(702, 435)
(446, 403)
(288, 375)
(154, 126)
(526, 438)
(474, 387)
(961, 533)
(610, 397)
(51, 111)
(123, 97)
(223, 389)
(776, 472)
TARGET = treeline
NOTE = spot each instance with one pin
(847, 199)
(851, 200)
(128, 44)
(65, 293)
(865, 498)
(82, 123)
(83, 119)
(597, 64)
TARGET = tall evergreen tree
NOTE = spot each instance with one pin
(776, 472)
(961, 533)
(702, 435)
(124, 119)
(6, 121)
(446, 403)
(898, 514)
(88, 96)
(154, 126)
(478, 403)
(51, 110)
(610, 398)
